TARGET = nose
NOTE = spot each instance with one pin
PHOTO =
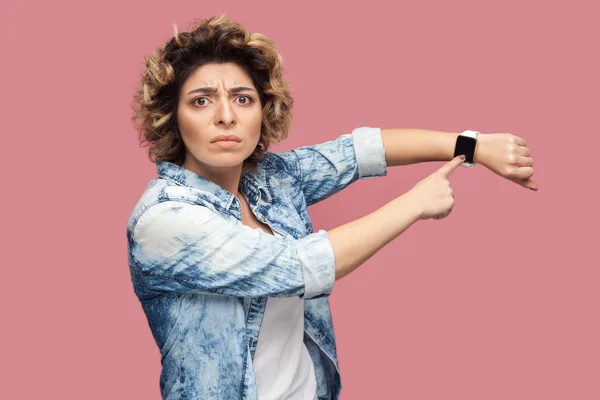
(224, 113)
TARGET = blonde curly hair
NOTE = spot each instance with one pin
(218, 40)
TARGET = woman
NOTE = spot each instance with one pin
(222, 253)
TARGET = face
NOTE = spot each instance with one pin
(218, 99)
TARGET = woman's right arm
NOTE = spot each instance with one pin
(181, 246)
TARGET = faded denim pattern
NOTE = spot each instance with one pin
(203, 278)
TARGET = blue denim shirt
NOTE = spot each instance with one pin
(203, 278)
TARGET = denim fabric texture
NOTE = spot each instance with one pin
(203, 278)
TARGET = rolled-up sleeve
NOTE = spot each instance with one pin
(325, 169)
(181, 247)
(369, 151)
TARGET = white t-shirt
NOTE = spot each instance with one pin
(282, 365)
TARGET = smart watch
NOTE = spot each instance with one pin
(465, 144)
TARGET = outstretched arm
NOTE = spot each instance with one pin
(503, 153)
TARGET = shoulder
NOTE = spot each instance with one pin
(162, 198)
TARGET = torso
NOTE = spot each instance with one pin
(249, 219)
(283, 328)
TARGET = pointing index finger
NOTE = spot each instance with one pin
(451, 165)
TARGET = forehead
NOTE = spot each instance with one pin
(213, 74)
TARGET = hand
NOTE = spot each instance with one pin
(506, 155)
(434, 195)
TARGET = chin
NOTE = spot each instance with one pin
(224, 160)
(225, 164)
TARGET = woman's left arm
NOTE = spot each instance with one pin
(502, 153)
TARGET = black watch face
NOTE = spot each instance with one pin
(465, 145)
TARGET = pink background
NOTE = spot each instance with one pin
(498, 301)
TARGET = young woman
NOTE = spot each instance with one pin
(222, 253)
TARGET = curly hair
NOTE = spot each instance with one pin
(218, 40)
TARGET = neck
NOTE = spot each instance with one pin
(227, 178)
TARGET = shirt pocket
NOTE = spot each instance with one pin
(285, 218)
(287, 209)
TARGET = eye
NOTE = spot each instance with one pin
(199, 98)
(249, 99)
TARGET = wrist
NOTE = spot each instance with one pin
(479, 155)
(408, 201)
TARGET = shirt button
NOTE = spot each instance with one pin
(319, 335)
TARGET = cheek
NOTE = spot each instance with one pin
(190, 125)
(184, 121)
(188, 117)
(257, 121)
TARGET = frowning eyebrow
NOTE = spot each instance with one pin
(210, 90)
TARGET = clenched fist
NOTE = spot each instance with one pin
(506, 155)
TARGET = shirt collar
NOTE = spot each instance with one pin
(249, 186)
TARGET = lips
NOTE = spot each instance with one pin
(226, 138)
